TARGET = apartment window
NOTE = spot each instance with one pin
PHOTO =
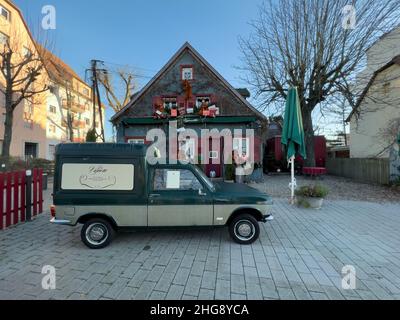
(52, 109)
(31, 150)
(52, 128)
(5, 13)
(187, 73)
(26, 52)
(85, 91)
(28, 108)
(87, 121)
(4, 39)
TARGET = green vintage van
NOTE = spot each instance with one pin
(110, 187)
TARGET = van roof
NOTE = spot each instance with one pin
(101, 149)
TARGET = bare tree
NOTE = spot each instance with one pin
(389, 135)
(118, 91)
(62, 88)
(21, 69)
(310, 45)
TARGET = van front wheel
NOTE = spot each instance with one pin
(97, 233)
(244, 229)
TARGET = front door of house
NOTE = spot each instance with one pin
(214, 158)
(178, 198)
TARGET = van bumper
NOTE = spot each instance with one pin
(61, 222)
(267, 218)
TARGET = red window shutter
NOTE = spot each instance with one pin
(192, 102)
(181, 105)
(214, 99)
(157, 101)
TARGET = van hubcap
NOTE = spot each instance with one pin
(244, 230)
(96, 234)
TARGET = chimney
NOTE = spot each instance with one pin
(244, 92)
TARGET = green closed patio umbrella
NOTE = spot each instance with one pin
(398, 141)
(293, 133)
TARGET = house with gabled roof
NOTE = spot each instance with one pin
(189, 90)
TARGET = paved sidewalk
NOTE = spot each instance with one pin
(299, 256)
(277, 185)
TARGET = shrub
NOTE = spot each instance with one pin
(91, 136)
(16, 164)
(316, 191)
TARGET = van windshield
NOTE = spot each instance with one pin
(205, 178)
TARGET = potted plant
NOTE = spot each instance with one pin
(311, 196)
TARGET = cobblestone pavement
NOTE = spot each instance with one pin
(339, 188)
(300, 255)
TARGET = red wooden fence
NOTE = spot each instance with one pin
(13, 197)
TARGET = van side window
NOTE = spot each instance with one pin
(171, 179)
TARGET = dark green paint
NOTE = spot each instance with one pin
(190, 120)
(221, 193)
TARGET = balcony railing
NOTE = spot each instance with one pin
(79, 124)
(74, 106)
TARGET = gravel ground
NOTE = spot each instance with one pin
(339, 188)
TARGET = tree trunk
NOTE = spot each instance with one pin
(8, 124)
(70, 125)
(309, 137)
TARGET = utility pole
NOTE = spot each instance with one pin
(96, 97)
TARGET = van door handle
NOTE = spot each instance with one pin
(155, 195)
(152, 197)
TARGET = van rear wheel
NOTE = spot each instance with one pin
(244, 229)
(97, 233)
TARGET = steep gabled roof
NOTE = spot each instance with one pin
(394, 61)
(56, 68)
(196, 55)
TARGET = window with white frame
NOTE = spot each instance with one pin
(214, 154)
(52, 151)
(26, 52)
(53, 109)
(5, 13)
(201, 100)
(52, 128)
(28, 108)
(170, 103)
(187, 73)
(241, 145)
(4, 39)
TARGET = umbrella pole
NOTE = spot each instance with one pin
(293, 184)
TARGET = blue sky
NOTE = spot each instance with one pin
(145, 34)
